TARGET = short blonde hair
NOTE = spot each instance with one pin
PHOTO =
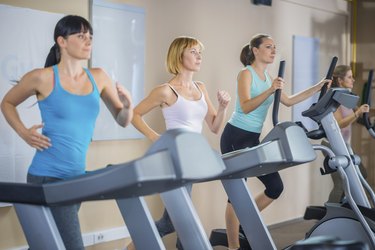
(176, 50)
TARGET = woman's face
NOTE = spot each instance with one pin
(192, 58)
(79, 45)
(347, 81)
(266, 51)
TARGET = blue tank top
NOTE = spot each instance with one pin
(253, 121)
(69, 122)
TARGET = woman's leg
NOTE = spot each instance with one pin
(263, 201)
(232, 139)
(67, 221)
(337, 191)
(165, 225)
(130, 246)
(274, 187)
(232, 225)
(66, 217)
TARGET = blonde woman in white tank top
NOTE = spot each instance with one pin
(183, 60)
(185, 103)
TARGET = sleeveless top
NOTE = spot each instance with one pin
(347, 131)
(69, 122)
(253, 121)
(186, 114)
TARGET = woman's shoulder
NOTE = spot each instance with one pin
(200, 84)
(37, 80)
(246, 70)
(163, 89)
(40, 72)
(39, 75)
(101, 77)
(244, 73)
(98, 72)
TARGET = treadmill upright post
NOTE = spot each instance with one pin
(47, 236)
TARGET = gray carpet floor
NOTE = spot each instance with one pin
(286, 233)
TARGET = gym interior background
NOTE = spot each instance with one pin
(224, 26)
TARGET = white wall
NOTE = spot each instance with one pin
(223, 26)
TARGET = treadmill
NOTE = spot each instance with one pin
(166, 165)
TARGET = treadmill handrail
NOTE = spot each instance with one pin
(166, 163)
(100, 184)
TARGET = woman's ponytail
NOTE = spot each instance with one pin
(53, 56)
(245, 56)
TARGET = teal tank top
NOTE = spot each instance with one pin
(253, 121)
(69, 122)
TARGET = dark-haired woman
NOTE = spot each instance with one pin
(255, 89)
(68, 98)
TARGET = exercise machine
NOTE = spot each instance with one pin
(290, 147)
(164, 167)
(354, 219)
(318, 212)
(207, 165)
(292, 154)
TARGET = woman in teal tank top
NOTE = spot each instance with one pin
(255, 89)
(68, 99)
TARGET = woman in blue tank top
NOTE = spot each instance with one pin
(185, 103)
(68, 98)
(255, 90)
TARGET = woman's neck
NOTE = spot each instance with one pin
(183, 79)
(259, 67)
(70, 68)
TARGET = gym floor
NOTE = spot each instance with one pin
(286, 233)
(283, 235)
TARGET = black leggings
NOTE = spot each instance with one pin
(234, 138)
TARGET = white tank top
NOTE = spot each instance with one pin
(186, 114)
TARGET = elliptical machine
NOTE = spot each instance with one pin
(318, 212)
(354, 219)
(219, 236)
(290, 147)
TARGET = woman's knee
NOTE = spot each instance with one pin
(274, 190)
